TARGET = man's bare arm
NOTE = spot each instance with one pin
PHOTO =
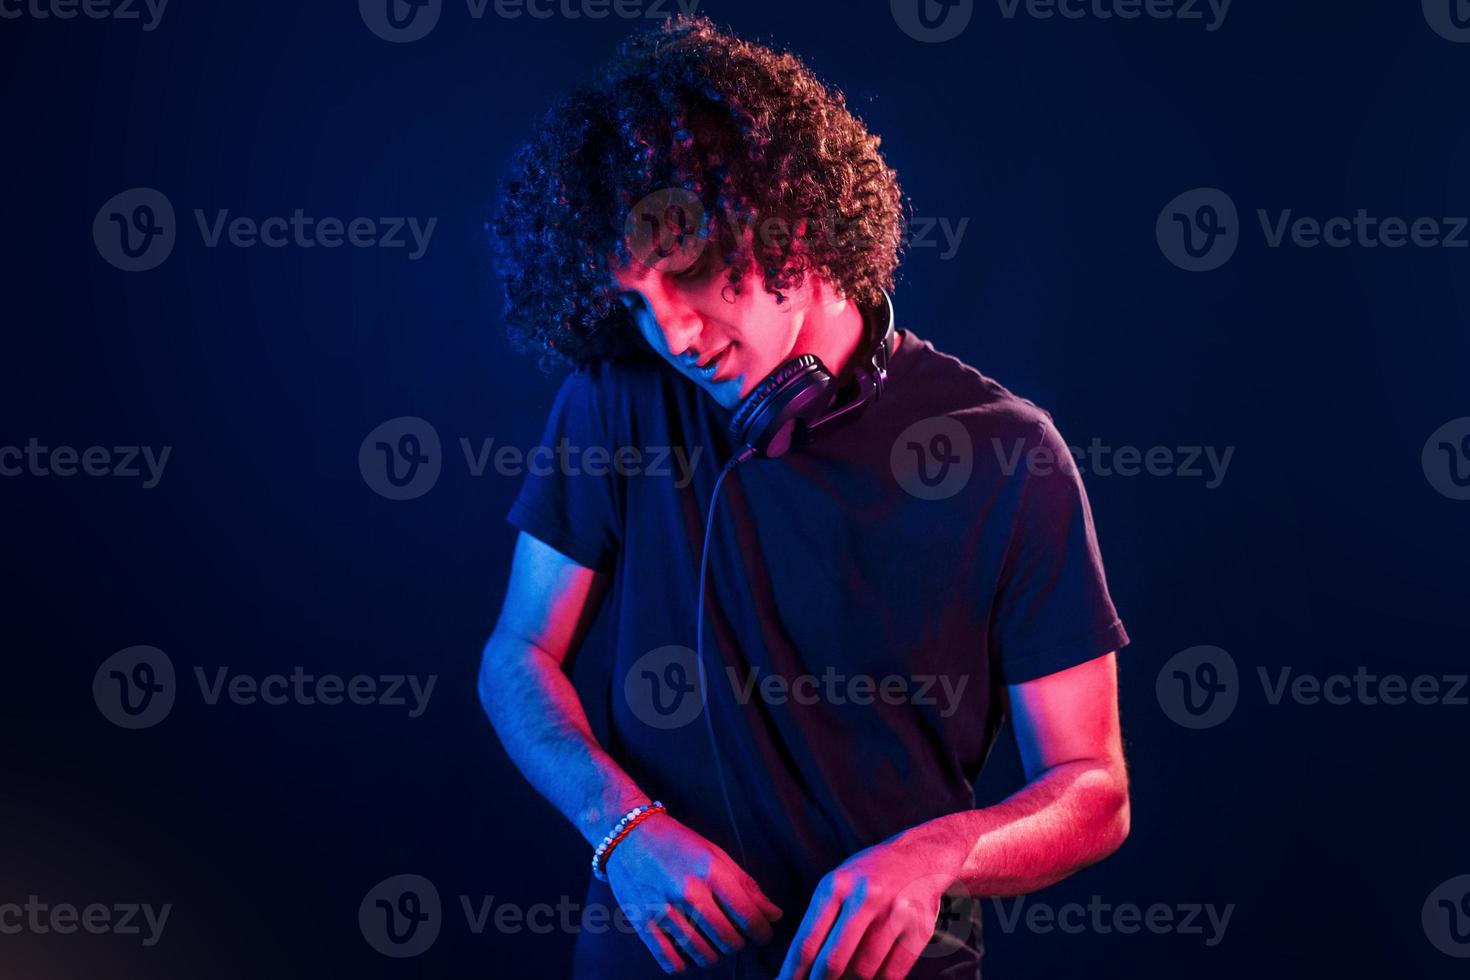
(529, 698)
(1074, 809)
(873, 915)
(681, 892)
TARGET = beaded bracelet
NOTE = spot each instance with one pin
(630, 820)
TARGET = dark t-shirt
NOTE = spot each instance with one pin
(870, 595)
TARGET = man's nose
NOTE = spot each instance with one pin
(681, 330)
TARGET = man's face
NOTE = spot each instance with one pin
(727, 344)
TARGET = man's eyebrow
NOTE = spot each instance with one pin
(634, 269)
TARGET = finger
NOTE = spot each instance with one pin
(761, 900)
(905, 953)
(770, 909)
(682, 931)
(820, 915)
(743, 912)
(706, 912)
(873, 950)
(842, 940)
(660, 946)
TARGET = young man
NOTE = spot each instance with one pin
(879, 597)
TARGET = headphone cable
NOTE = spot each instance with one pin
(709, 725)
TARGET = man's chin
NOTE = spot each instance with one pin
(727, 394)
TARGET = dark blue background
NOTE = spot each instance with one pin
(262, 548)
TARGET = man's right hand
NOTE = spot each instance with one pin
(682, 892)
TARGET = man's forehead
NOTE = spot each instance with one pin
(630, 274)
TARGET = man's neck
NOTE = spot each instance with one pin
(834, 331)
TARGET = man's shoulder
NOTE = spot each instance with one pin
(613, 377)
(623, 396)
(613, 386)
(944, 384)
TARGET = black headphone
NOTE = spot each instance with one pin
(797, 398)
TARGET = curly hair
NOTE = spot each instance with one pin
(749, 132)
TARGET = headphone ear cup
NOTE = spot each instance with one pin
(798, 392)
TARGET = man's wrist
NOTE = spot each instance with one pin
(620, 831)
(594, 821)
(946, 843)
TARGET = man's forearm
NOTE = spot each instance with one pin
(540, 720)
(1071, 816)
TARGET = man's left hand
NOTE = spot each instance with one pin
(871, 917)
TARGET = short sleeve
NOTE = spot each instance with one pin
(565, 502)
(1052, 610)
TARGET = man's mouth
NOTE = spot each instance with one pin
(711, 367)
